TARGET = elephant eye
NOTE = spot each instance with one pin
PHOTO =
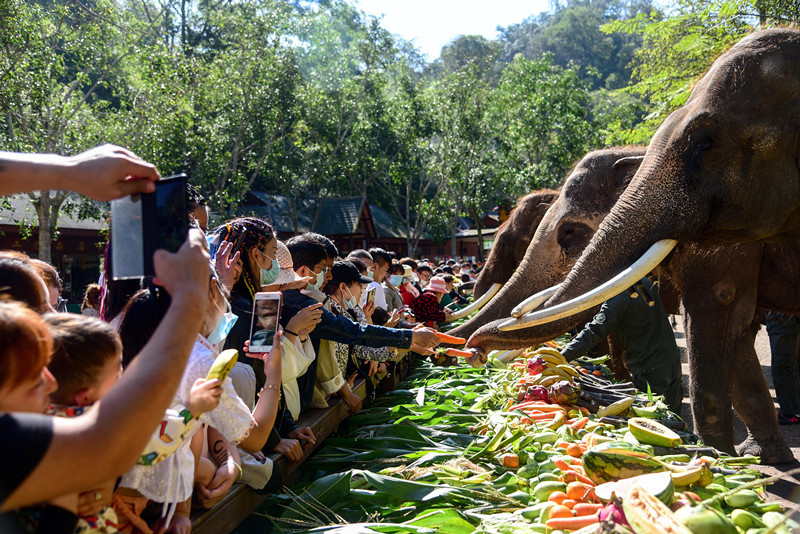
(703, 144)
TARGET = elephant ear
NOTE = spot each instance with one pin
(624, 171)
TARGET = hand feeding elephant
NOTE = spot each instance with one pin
(723, 169)
(512, 238)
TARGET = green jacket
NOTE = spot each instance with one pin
(643, 331)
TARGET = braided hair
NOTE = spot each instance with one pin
(249, 232)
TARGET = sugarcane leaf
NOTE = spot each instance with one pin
(449, 520)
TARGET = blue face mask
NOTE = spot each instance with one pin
(223, 327)
(396, 280)
(351, 302)
(268, 276)
(370, 275)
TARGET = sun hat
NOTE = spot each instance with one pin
(437, 284)
(407, 272)
(287, 278)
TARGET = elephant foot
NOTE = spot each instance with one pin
(776, 451)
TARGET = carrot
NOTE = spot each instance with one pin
(458, 352)
(545, 407)
(521, 405)
(542, 416)
(557, 497)
(569, 503)
(561, 464)
(452, 340)
(580, 423)
(571, 523)
(586, 508)
(552, 345)
(577, 490)
(571, 476)
(575, 450)
(559, 511)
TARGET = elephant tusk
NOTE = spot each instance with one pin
(478, 304)
(533, 302)
(649, 260)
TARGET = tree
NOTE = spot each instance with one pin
(675, 51)
(56, 85)
(543, 117)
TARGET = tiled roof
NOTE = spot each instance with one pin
(338, 216)
(20, 209)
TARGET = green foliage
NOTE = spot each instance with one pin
(675, 51)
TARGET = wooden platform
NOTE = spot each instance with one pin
(241, 501)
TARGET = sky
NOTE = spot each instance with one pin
(431, 24)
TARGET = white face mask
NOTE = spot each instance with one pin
(320, 279)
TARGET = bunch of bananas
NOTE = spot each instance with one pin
(553, 368)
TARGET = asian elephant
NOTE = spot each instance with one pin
(589, 192)
(724, 169)
(512, 238)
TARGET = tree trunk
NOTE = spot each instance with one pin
(480, 241)
(45, 232)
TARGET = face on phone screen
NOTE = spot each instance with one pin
(265, 323)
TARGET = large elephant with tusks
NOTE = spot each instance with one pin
(723, 169)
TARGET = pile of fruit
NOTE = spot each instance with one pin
(524, 447)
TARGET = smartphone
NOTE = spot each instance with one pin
(371, 295)
(402, 308)
(142, 224)
(266, 320)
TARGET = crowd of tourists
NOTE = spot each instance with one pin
(108, 418)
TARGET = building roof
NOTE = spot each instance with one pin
(338, 216)
(18, 208)
(275, 208)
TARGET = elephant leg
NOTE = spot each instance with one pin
(753, 403)
(710, 382)
(719, 305)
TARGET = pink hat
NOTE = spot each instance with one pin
(436, 284)
(287, 278)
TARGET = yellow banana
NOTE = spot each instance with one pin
(551, 360)
(548, 380)
(551, 352)
(569, 370)
(698, 476)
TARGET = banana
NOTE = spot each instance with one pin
(552, 379)
(697, 476)
(569, 370)
(551, 352)
(552, 371)
(551, 360)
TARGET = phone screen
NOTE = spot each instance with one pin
(371, 295)
(265, 322)
(142, 224)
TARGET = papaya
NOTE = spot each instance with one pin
(648, 515)
(653, 433)
(659, 485)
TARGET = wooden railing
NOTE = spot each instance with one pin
(241, 501)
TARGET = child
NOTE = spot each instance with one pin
(87, 362)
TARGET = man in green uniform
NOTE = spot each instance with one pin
(784, 333)
(646, 335)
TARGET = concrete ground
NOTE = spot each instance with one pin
(785, 491)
